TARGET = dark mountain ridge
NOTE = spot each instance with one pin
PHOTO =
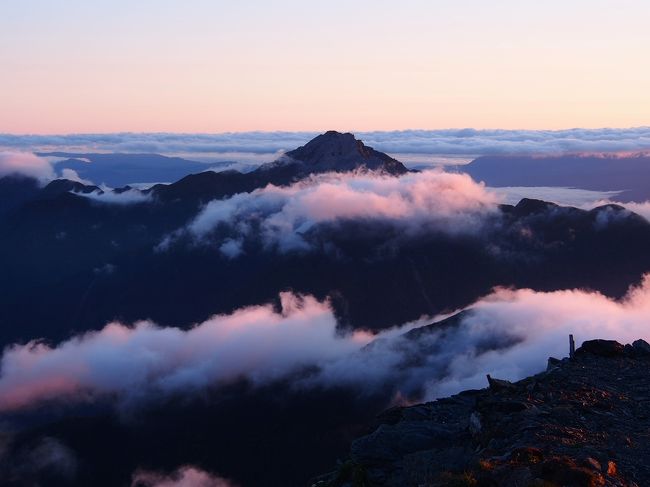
(582, 422)
(118, 169)
(15, 191)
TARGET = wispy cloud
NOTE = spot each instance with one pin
(46, 456)
(25, 164)
(186, 476)
(640, 208)
(110, 196)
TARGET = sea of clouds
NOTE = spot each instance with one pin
(434, 142)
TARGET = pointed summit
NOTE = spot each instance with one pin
(329, 152)
(336, 151)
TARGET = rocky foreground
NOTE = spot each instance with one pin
(585, 421)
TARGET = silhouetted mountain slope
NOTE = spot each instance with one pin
(72, 264)
(60, 187)
(15, 190)
(273, 436)
(603, 173)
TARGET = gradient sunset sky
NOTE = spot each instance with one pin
(212, 66)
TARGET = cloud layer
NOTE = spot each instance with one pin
(283, 216)
(109, 196)
(436, 142)
(255, 342)
(640, 208)
(540, 323)
(508, 334)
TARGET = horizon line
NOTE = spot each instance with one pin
(258, 131)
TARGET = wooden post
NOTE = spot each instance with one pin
(572, 347)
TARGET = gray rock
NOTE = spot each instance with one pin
(552, 363)
(475, 425)
(499, 384)
(391, 442)
(334, 151)
(602, 348)
(641, 347)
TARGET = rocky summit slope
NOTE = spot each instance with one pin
(583, 422)
(335, 151)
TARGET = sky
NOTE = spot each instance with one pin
(73, 66)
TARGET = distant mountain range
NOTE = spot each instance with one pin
(115, 169)
(325, 153)
(628, 174)
(603, 172)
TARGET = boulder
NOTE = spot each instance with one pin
(602, 348)
(391, 442)
(641, 347)
(497, 385)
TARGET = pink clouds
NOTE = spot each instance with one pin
(540, 323)
(256, 342)
(508, 334)
(433, 199)
(25, 164)
(186, 476)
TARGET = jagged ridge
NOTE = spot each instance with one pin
(582, 422)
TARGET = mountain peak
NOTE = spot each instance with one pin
(336, 151)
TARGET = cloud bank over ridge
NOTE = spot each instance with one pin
(414, 202)
(508, 334)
